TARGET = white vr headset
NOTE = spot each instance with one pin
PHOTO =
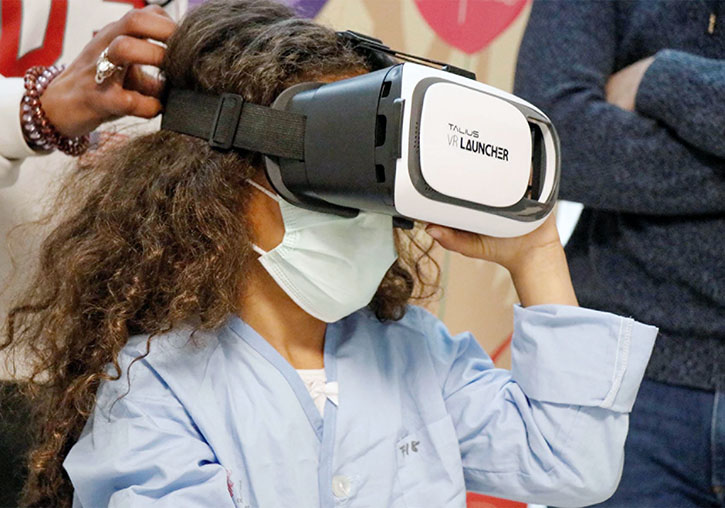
(407, 140)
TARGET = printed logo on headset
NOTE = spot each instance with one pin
(460, 138)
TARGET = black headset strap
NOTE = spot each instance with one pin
(379, 55)
(227, 121)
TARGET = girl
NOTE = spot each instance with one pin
(199, 342)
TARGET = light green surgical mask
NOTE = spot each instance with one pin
(330, 266)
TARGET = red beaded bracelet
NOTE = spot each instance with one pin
(37, 129)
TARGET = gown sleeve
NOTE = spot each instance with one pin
(551, 430)
(142, 448)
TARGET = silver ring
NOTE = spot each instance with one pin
(105, 68)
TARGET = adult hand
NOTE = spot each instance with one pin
(621, 88)
(75, 104)
(536, 261)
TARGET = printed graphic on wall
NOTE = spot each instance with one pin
(13, 59)
(34, 32)
(470, 25)
(308, 8)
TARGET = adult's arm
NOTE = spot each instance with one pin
(552, 430)
(687, 93)
(611, 158)
(74, 103)
(13, 148)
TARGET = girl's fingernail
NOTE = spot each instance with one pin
(435, 233)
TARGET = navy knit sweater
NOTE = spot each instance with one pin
(651, 240)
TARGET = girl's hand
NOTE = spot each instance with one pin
(536, 261)
(76, 105)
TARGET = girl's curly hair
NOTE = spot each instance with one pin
(152, 231)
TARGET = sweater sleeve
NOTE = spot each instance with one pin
(13, 148)
(686, 92)
(611, 158)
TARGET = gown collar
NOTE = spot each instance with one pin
(265, 349)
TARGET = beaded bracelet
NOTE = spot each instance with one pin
(37, 129)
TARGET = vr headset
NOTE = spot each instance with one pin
(418, 140)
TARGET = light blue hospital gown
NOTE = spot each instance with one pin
(225, 421)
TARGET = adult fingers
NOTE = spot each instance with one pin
(158, 10)
(146, 23)
(132, 103)
(126, 50)
(143, 82)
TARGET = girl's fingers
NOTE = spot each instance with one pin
(508, 252)
(468, 244)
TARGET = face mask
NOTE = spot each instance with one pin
(330, 266)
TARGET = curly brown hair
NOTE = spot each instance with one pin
(152, 231)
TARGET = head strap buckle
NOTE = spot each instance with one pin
(226, 120)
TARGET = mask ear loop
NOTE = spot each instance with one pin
(256, 248)
(262, 189)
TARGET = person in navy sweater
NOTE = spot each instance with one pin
(637, 92)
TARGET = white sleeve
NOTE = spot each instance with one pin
(13, 148)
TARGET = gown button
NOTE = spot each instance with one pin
(341, 486)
